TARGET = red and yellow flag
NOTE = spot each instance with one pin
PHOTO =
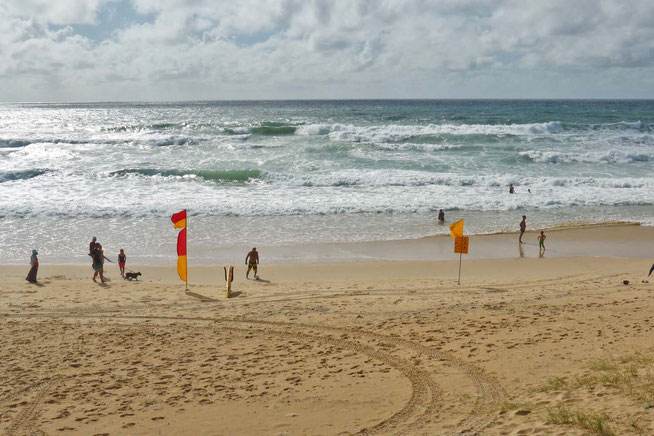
(179, 220)
(456, 229)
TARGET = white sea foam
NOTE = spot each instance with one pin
(133, 162)
(396, 132)
(613, 156)
(313, 129)
(373, 191)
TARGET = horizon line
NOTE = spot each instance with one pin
(318, 100)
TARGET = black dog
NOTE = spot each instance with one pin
(132, 276)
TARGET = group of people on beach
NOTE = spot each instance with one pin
(97, 255)
(251, 260)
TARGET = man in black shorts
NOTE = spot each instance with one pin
(252, 260)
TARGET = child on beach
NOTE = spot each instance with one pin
(122, 258)
(541, 241)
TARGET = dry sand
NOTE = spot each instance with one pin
(523, 346)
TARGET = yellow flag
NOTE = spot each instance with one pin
(456, 229)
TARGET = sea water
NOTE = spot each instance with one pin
(272, 173)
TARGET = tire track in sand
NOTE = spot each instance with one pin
(426, 397)
(25, 421)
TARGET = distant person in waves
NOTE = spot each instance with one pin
(511, 189)
(34, 263)
(441, 216)
(122, 258)
(523, 227)
(252, 260)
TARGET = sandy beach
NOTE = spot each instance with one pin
(525, 345)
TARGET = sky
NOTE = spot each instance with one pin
(165, 50)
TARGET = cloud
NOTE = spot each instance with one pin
(55, 12)
(321, 49)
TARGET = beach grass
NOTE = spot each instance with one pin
(632, 375)
(595, 423)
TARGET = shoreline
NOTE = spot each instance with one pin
(564, 226)
(618, 240)
(210, 277)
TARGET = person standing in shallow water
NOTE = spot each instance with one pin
(511, 189)
(523, 227)
(541, 241)
(441, 216)
(34, 263)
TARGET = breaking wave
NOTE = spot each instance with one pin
(13, 143)
(556, 157)
(21, 175)
(395, 133)
(212, 175)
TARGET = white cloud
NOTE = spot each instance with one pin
(55, 11)
(321, 49)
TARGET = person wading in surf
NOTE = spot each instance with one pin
(523, 227)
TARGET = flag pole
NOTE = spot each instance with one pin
(186, 259)
(459, 280)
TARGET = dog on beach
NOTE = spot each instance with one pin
(132, 276)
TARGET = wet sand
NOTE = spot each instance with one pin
(617, 240)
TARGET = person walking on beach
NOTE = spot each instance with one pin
(252, 260)
(92, 246)
(523, 227)
(511, 189)
(441, 216)
(34, 263)
(98, 262)
(122, 258)
(541, 241)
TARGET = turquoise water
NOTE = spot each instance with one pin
(268, 172)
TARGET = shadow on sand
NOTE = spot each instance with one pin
(200, 296)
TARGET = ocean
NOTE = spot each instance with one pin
(284, 173)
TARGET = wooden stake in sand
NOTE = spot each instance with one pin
(229, 278)
(461, 247)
